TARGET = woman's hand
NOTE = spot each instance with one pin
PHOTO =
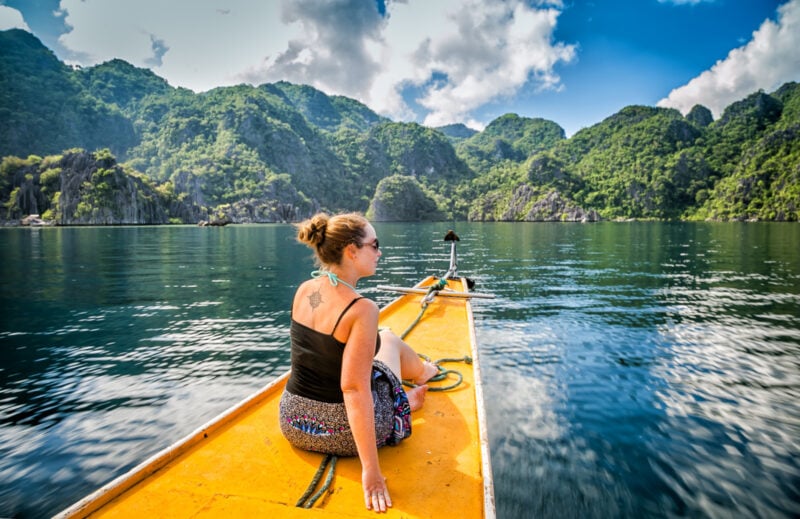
(376, 494)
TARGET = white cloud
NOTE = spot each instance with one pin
(454, 55)
(11, 19)
(771, 58)
(459, 55)
(195, 44)
(333, 47)
(491, 50)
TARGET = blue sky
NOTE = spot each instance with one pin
(437, 62)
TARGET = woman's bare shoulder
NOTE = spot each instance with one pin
(367, 305)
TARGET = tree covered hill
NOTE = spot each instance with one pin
(646, 162)
(509, 137)
(45, 106)
(282, 151)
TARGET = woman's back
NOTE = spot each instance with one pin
(321, 307)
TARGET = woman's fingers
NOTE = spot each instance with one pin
(378, 500)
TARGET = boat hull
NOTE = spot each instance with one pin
(240, 465)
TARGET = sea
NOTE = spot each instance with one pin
(634, 369)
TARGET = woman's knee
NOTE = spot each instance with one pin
(392, 342)
(388, 335)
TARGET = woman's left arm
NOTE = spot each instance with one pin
(356, 384)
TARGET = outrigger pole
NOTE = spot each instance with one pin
(438, 289)
(443, 293)
(452, 237)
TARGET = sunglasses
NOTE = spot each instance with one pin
(375, 244)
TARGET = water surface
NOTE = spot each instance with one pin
(637, 369)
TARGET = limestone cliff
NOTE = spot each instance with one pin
(528, 204)
(401, 198)
(82, 188)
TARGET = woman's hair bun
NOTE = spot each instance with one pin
(312, 231)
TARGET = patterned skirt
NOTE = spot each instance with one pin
(323, 427)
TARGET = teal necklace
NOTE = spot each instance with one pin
(333, 278)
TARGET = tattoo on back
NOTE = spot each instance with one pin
(315, 299)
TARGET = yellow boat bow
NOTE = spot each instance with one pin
(239, 464)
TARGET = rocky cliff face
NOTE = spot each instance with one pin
(401, 198)
(528, 204)
(97, 191)
(277, 151)
(555, 208)
(82, 188)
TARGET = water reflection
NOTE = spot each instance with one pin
(644, 370)
(128, 339)
(731, 394)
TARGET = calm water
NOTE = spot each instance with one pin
(634, 370)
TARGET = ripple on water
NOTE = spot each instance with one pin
(624, 394)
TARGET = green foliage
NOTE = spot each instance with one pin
(49, 179)
(789, 96)
(119, 83)
(765, 186)
(11, 205)
(508, 137)
(9, 167)
(44, 107)
(403, 199)
(625, 166)
(700, 116)
(330, 113)
(85, 188)
(648, 162)
(18, 193)
(420, 152)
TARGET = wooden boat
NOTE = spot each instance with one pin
(239, 464)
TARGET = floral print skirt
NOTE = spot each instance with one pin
(323, 427)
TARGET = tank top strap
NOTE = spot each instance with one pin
(346, 308)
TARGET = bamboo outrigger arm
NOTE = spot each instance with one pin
(443, 293)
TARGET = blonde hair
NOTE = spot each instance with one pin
(329, 235)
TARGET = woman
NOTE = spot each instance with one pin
(344, 395)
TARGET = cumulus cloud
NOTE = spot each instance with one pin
(487, 50)
(771, 58)
(455, 55)
(332, 50)
(10, 18)
(450, 56)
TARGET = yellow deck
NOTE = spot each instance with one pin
(239, 465)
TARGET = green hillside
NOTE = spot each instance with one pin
(278, 152)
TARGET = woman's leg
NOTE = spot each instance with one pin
(403, 360)
(406, 364)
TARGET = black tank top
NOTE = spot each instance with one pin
(317, 362)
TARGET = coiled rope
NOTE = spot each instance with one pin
(443, 373)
